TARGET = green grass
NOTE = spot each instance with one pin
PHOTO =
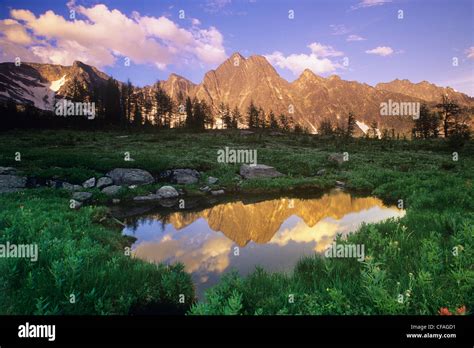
(82, 253)
(78, 255)
(412, 257)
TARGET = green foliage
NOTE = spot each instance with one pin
(412, 256)
(77, 256)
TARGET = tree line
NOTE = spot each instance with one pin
(124, 105)
(447, 119)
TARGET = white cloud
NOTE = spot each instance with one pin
(339, 29)
(370, 3)
(15, 32)
(470, 52)
(354, 37)
(323, 50)
(104, 34)
(214, 6)
(316, 61)
(381, 51)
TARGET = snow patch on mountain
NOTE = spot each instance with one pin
(41, 96)
(363, 127)
(56, 85)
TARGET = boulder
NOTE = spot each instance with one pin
(258, 171)
(167, 192)
(321, 172)
(212, 180)
(185, 176)
(81, 196)
(205, 189)
(104, 182)
(89, 183)
(337, 158)
(12, 183)
(130, 176)
(68, 186)
(340, 184)
(111, 190)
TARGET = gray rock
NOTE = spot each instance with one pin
(12, 183)
(217, 192)
(150, 197)
(115, 201)
(89, 183)
(340, 183)
(205, 189)
(258, 171)
(167, 192)
(104, 182)
(81, 196)
(7, 170)
(185, 176)
(111, 190)
(130, 176)
(68, 186)
(212, 180)
(321, 172)
(336, 158)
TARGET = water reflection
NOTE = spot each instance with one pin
(274, 234)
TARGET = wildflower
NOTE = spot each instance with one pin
(461, 310)
(444, 311)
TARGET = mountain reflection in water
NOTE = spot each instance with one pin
(273, 234)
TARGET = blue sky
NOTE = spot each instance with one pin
(322, 36)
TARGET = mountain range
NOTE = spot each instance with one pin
(237, 82)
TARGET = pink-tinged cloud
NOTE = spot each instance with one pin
(316, 61)
(104, 35)
(381, 51)
(470, 52)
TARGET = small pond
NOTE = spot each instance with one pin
(273, 233)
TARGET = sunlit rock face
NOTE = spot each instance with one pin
(273, 234)
(237, 82)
